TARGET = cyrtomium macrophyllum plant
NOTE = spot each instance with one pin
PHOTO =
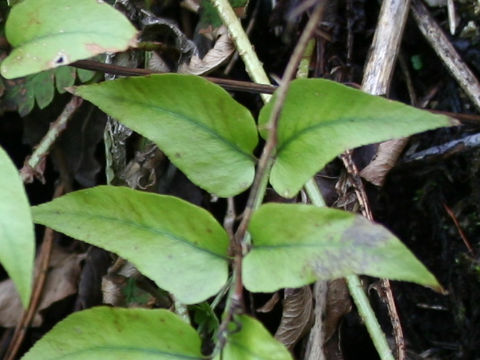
(181, 247)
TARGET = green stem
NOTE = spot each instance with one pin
(358, 294)
(366, 312)
(31, 167)
(314, 193)
(245, 49)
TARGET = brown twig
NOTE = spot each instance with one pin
(459, 229)
(376, 81)
(232, 85)
(40, 279)
(445, 50)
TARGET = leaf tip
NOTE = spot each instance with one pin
(439, 289)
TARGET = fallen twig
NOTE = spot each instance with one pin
(445, 50)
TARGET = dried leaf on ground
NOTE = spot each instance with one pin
(385, 159)
(296, 316)
(221, 52)
(62, 280)
(338, 305)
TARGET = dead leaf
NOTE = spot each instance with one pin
(296, 316)
(221, 52)
(338, 305)
(387, 155)
(62, 280)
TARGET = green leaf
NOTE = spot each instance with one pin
(249, 340)
(64, 77)
(115, 333)
(321, 119)
(294, 245)
(181, 247)
(85, 75)
(17, 240)
(204, 132)
(43, 88)
(49, 33)
(20, 94)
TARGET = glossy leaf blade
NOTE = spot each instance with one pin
(181, 247)
(49, 33)
(17, 240)
(204, 132)
(116, 333)
(321, 119)
(252, 342)
(294, 245)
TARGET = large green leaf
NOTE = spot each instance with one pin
(178, 245)
(321, 119)
(114, 333)
(294, 245)
(49, 33)
(249, 340)
(204, 132)
(17, 241)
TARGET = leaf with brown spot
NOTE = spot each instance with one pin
(293, 245)
(40, 41)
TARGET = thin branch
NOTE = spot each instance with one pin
(445, 50)
(40, 280)
(33, 164)
(459, 229)
(232, 85)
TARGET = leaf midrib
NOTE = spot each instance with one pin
(295, 136)
(130, 349)
(200, 125)
(143, 227)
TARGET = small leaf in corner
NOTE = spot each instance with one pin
(41, 41)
